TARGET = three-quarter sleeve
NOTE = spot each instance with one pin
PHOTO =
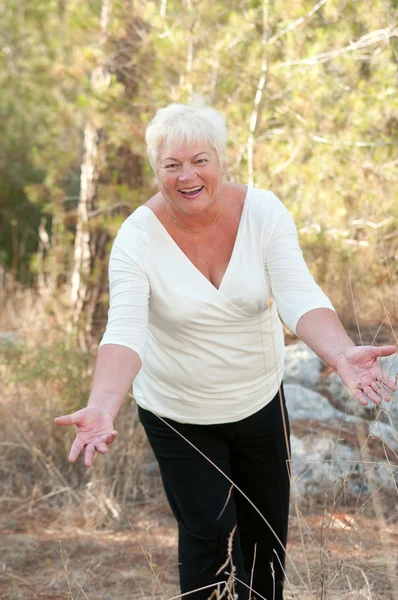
(293, 287)
(128, 290)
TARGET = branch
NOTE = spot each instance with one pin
(258, 97)
(289, 161)
(297, 22)
(163, 8)
(363, 42)
(323, 140)
(99, 211)
(361, 223)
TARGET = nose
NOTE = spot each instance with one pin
(186, 173)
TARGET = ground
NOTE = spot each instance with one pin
(348, 555)
(39, 561)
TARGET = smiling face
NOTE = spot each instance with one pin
(190, 177)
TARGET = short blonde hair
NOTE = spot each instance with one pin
(177, 124)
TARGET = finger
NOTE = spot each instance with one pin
(371, 394)
(101, 447)
(387, 381)
(379, 389)
(66, 420)
(358, 384)
(75, 450)
(111, 438)
(361, 397)
(385, 350)
(89, 455)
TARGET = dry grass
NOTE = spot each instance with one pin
(51, 561)
(107, 533)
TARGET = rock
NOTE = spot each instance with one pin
(390, 409)
(329, 427)
(151, 469)
(9, 337)
(149, 465)
(390, 365)
(386, 433)
(340, 398)
(302, 365)
(390, 413)
(322, 466)
(318, 464)
(303, 403)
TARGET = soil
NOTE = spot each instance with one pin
(39, 561)
(345, 555)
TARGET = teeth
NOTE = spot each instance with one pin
(192, 189)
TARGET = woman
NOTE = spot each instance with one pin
(198, 275)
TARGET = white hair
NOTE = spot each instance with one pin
(177, 124)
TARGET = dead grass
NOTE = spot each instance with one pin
(72, 533)
(107, 533)
(48, 561)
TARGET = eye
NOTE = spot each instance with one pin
(171, 166)
(202, 161)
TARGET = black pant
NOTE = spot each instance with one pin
(253, 453)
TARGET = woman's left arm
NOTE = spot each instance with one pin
(308, 312)
(357, 366)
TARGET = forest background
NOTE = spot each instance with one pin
(309, 91)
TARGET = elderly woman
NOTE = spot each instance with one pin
(200, 276)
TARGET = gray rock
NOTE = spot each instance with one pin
(303, 403)
(340, 398)
(302, 365)
(390, 365)
(385, 432)
(149, 465)
(389, 413)
(326, 453)
(321, 466)
(390, 409)
(151, 469)
(9, 337)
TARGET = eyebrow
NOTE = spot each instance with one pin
(194, 156)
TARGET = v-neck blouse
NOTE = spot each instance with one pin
(209, 355)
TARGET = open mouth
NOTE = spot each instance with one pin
(191, 192)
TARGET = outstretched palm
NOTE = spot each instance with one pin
(362, 374)
(94, 432)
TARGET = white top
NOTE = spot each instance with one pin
(209, 356)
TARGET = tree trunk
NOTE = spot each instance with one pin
(86, 241)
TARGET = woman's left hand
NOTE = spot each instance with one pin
(362, 374)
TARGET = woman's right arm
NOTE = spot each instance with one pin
(119, 356)
(115, 370)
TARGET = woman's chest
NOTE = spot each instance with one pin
(210, 255)
(224, 278)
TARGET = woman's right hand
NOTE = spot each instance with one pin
(94, 432)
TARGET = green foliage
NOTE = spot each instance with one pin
(326, 129)
(53, 366)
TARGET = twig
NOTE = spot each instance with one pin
(226, 502)
(366, 40)
(206, 587)
(84, 581)
(65, 560)
(297, 22)
(147, 559)
(252, 572)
